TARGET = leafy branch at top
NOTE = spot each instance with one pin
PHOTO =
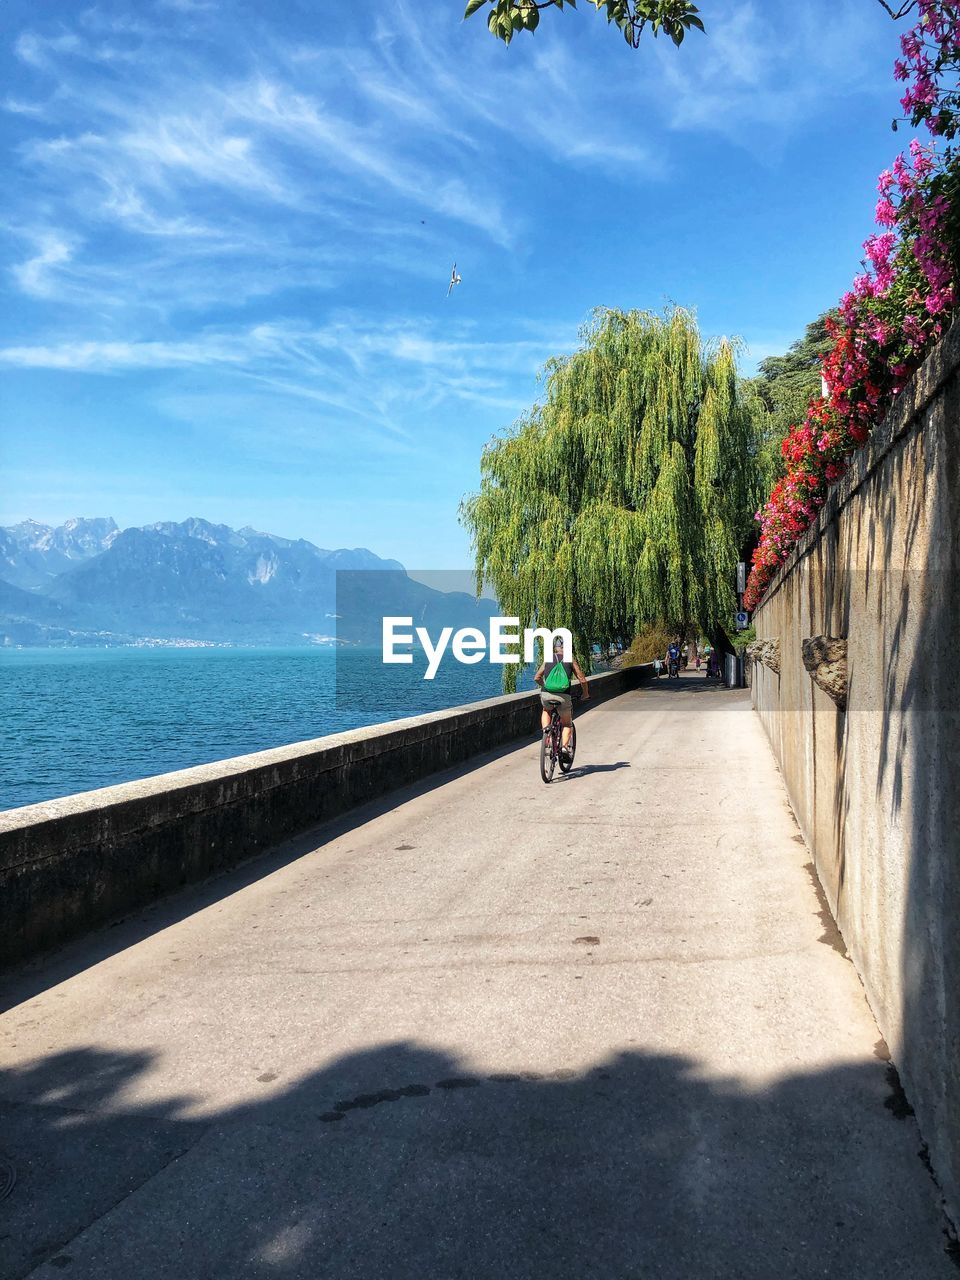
(674, 17)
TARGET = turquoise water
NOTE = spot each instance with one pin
(75, 719)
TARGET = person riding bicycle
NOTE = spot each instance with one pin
(673, 656)
(555, 691)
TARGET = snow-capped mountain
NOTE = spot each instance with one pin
(199, 581)
(32, 554)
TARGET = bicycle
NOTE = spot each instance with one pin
(551, 751)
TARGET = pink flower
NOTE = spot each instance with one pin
(863, 286)
(886, 213)
(910, 44)
(879, 248)
(939, 300)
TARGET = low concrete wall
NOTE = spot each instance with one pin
(71, 864)
(876, 785)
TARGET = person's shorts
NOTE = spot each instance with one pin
(562, 701)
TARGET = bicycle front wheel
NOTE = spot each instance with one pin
(548, 760)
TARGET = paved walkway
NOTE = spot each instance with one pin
(496, 1029)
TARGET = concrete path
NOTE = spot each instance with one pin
(487, 1029)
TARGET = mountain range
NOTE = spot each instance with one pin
(87, 582)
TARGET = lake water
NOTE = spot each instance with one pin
(75, 719)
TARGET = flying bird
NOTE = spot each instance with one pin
(454, 279)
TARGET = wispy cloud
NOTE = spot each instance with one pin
(34, 274)
(452, 350)
(17, 107)
(46, 53)
(364, 152)
(375, 373)
(149, 130)
(758, 77)
(248, 202)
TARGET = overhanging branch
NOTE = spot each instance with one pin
(899, 13)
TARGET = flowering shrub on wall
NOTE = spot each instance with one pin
(897, 308)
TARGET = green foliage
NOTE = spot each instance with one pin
(779, 395)
(740, 639)
(624, 498)
(674, 17)
(799, 370)
(650, 643)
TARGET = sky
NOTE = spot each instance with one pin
(229, 226)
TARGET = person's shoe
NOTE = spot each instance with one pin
(566, 753)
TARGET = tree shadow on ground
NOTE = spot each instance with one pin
(400, 1161)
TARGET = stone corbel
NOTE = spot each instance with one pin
(767, 652)
(825, 658)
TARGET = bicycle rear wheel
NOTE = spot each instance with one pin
(548, 759)
(567, 765)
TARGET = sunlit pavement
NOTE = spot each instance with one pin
(596, 1028)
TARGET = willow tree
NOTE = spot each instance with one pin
(624, 497)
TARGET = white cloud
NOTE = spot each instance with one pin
(113, 357)
(35, 276)
(158, 154)
(364, 152)
(351, 371)
(46, 53)
(17, 107)
(188, 6)
(362, 343)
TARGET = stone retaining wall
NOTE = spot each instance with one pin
(856, 677)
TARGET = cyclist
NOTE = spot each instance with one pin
(555, 692)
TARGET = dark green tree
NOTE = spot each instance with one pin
(778, 396)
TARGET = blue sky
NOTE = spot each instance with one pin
(229, 228)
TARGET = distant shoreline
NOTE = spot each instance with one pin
(327, 645)
(226, 646)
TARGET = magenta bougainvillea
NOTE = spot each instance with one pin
(899, 305)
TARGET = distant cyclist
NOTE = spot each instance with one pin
(555, 691)
(673, 657)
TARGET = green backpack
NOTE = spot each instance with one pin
(557, 681)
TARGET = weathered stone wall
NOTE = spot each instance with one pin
(863, 714)
(68, 865)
